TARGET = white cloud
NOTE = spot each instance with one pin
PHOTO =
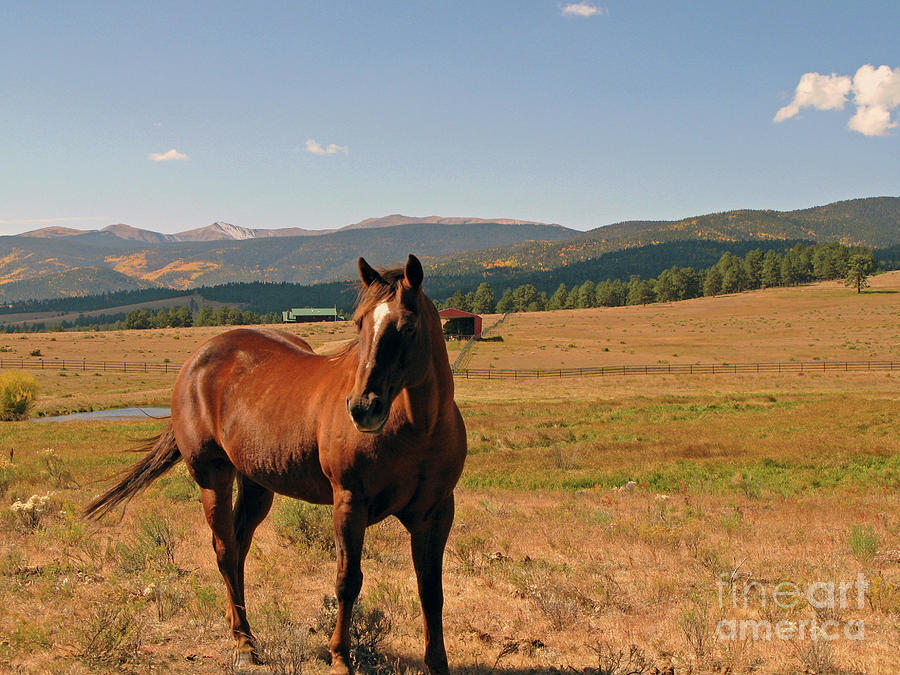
(823, 92)
(317, 148)
(875, 91)
(871, 120)
(167, 156)
(582, 10)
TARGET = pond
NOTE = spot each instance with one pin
(111, 414)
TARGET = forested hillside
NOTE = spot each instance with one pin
(873, 222)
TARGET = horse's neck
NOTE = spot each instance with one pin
(427, 399)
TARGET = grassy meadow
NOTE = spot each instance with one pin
(604, 525)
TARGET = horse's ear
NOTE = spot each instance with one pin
(367, 273)
(413, 273)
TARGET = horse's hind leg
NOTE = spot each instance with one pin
(250, 509)
(428, 536)
(215, 480)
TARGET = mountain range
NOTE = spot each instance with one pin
(220, 230)
(59, 262)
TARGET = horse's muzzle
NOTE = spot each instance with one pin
(368, 412)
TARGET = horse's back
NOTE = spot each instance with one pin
(237, 399)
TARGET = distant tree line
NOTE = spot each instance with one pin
(257, 296)
(88, 303)
(142, 319)
(731, 274)
(177, 317)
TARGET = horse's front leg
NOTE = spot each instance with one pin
(350, 520)
(428, 536)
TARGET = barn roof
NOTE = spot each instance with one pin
(314, 311)
(453, 313)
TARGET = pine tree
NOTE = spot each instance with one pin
(506, 302)
(712, 284)
(753, 263)
(559, 298)
(523, 297)
(771, 270)
(585, 296)
(483, 302)
(859, 267)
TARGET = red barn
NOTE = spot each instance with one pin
(460, 324)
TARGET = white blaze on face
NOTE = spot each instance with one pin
(379, 318)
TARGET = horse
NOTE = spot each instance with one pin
(372, 430)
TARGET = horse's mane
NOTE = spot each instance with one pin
(375, 293)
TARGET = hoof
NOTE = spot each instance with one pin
(339, 667)
(245, 661)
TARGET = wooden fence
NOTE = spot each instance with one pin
(788, 367)
(94, 366)
(678, 369)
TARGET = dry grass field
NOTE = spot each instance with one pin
(77, 390)
(604, 525)
(824, 321)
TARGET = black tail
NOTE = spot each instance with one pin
(162, 455)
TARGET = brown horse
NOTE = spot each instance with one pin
(372, 430)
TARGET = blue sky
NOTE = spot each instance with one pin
(583, 115)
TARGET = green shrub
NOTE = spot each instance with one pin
(369, 627)
(112, 633)
(306, 524)
(151, 548)
(863, 541)
(18, 392)
(7, 476)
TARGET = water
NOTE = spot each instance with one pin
(111, 414)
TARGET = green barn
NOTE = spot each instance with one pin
(309, 314)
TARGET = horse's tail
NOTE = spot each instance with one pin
(162, 455)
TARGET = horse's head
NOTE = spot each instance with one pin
(394, 341)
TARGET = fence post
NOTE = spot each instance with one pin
(42, 364)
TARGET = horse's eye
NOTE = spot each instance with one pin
(407, 328)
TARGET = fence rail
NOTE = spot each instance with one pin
(84, 365)
(678, 369)
(506, 373)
